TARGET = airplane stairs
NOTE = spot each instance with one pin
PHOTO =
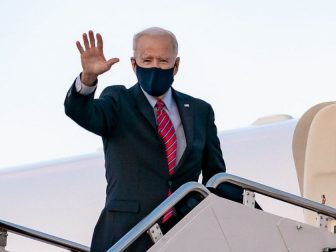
(218, 224)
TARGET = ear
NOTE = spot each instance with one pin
(133, 64)
(176, 66)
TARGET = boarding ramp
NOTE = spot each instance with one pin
(218, 224)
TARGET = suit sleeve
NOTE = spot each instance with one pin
(213, 162)
(96, 115)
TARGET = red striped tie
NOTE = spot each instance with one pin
(167, 133)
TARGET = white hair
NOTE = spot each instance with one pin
(155, 31)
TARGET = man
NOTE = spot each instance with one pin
(155, 138)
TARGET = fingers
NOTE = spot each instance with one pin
(92, 39)
(79, 47)
(89, 42)
(99, 41)
(86, 41)
(112, 61)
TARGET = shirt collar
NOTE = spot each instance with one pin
(166, 98)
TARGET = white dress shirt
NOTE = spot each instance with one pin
(170, 108)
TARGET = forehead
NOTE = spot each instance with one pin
(155, 46)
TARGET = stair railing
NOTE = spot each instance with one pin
(271, 192)
(146, 223)
(6, 227)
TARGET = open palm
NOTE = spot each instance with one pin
(92, 58)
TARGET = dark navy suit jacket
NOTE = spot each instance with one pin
(136, 168)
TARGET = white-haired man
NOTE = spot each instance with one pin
(155, 138)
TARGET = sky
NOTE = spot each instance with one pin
(248, 59)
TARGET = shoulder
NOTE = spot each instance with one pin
(196, 102)
(118, 94)
(113, 90)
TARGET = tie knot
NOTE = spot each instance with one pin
(159, 104)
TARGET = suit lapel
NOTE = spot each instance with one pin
(185, 108)
(143, 105)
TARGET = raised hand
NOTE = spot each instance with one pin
(93, 59)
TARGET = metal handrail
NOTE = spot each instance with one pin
(272, 192)
(157, 213)
(43, 237)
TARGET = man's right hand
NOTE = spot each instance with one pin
(92, 58)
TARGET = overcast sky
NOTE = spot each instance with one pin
(247, 58)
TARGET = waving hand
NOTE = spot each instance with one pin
(92, 58)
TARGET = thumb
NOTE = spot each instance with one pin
(112, 61)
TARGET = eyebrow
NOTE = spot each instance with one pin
(147, 57)
(152, 57)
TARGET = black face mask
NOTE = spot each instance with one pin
(155, 81)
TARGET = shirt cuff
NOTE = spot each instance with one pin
(83, 89)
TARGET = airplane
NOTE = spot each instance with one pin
(64, 197)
